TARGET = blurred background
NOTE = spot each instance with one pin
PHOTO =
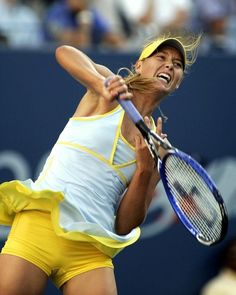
(37, 97)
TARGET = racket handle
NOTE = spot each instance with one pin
(135, 116)
(130, 109)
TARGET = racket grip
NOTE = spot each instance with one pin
(130, 109)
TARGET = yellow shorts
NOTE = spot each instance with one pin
(32, 238)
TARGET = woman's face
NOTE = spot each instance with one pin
(166, 65)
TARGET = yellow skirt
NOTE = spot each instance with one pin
(17, 196)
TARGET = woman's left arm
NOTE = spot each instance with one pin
(135, 203)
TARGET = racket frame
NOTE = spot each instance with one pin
(209, 183)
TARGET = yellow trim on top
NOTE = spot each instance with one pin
(95, 117)
(116, 137)
(125, 164)
(96, 155)
(126, 141)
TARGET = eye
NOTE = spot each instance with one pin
(160, 56)
(178, 64)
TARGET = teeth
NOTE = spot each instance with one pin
(165, 77)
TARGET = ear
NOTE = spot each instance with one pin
(179, 83)
(138, 66)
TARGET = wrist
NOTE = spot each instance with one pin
(99, 84)
(144, 172)
(149, 176)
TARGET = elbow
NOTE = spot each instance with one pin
(61, 51)
(65, 53)
(66, 57)
(122, 229)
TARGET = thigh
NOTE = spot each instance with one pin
(24, 265)
(100, 281)
(20, 277)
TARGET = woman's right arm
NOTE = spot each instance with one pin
(82, 68)
(98, 99)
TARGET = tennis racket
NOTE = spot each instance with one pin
(190, 190)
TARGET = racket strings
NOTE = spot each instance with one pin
(194, 198)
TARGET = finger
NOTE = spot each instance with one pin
(126, 95)
(138, 141)
(118, 90)
(159, 126)
(163, 135)
(147, 121)
(110, 79)
(115, 82)
(108, 86)
(118, 86)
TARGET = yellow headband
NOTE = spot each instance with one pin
(151, 47)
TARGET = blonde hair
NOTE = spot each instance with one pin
(190, 44)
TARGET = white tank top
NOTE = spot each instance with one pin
(91, 164)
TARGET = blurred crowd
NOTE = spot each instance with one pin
(115, 24)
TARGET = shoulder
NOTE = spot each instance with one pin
(92, 104)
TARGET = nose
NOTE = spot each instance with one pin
(169, 65)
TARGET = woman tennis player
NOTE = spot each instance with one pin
(98, 181)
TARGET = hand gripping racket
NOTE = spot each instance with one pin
(190, 190)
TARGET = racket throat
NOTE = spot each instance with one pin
(146, 132)
(152, 149)
(143, 128)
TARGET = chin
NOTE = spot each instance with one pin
(162, 92)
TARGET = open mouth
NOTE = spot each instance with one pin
(164, 77)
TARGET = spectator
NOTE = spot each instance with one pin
(39, 5)
(75, 23)
(215, 18)
(109, 10)
(19, 25)
(171, 15)
(156, 16)
(231, 28)
(225, 282)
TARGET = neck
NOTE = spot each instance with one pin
(146, 103)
